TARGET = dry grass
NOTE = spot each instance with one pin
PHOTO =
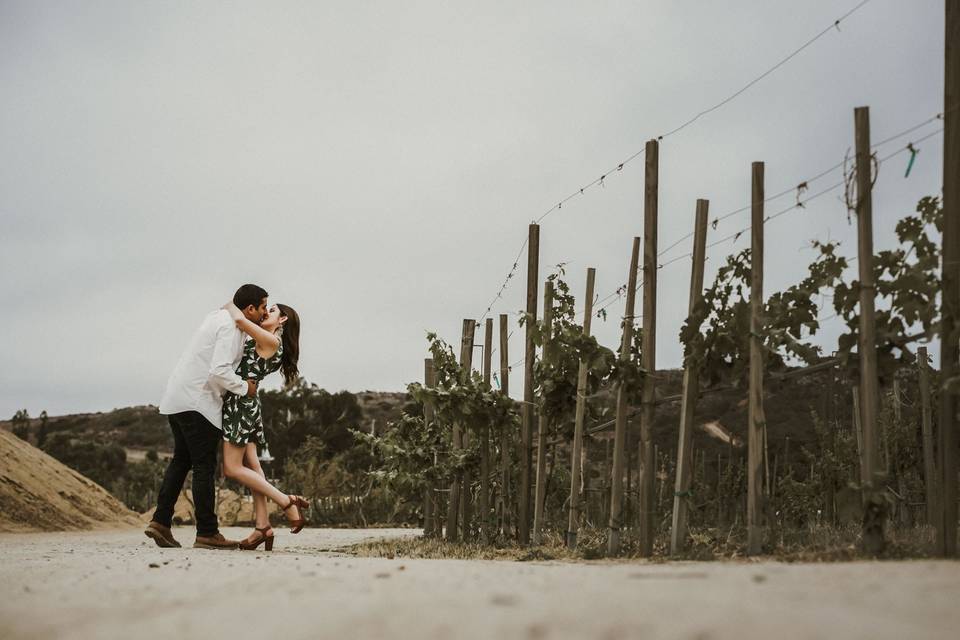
(431, 548)
(813, 544)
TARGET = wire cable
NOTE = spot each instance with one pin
(619, 167)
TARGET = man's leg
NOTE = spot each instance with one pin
(202, 439)
(173, 477)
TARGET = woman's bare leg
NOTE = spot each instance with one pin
(234, 468)
(252, 462)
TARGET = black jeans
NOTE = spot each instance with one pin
(195, 443)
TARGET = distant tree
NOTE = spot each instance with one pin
(138, 485)
(21, 424)
(152, 455)
(304, 410)
(42, 433)
(105, 464)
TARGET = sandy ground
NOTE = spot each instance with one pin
(102, 585)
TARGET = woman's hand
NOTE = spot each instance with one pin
(267, 342)
(234, 311)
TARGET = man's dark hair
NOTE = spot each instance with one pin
(249, 294)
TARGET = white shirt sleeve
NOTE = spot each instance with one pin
(222, 375)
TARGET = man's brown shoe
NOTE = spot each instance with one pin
(215, 542)
(161, 535)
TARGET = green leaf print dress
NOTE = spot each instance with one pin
(242, 419)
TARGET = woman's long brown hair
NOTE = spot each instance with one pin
(291, 344)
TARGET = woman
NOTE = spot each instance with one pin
(274, 344)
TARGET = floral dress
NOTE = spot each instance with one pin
(242, 420)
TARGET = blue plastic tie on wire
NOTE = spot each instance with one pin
(913, 156)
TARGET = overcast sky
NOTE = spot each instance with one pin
(375, 165)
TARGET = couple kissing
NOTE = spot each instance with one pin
(211, 396)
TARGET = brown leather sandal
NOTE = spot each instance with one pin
(251, 545)
(296, 526)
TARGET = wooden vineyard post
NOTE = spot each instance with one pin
(485, 438)
(607, 470)
(506, 441)
(648, 360)
(830, 424)
(530, 353)
(466, 483)
(755, 418)
(891, 463)
(620, 431)
(950, 286)
(628, 510)
(431, 520)
(544, 424)
(926, 429)
(718, 488)
(453, 504)
(858, 429)
(573, 522)
(691, 389)
(659, 485)
(873, 501)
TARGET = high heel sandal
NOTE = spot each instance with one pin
(295, 525)
(251, 545)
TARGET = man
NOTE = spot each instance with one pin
(193, 403)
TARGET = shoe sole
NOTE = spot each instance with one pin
(162, 542)
(200, 545)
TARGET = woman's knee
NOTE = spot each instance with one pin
(231, 469)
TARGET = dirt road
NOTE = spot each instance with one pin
(119, 585)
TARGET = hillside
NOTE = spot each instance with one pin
(311, 428)
(142, 428)
(380, 407)
(788, 407)
(38, 493)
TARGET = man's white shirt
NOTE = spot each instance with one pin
(207, 370)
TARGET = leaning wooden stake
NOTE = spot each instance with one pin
(607, 469)
(875, 511)
(858, 429)
(431, 520)
(573, 522)
(646, 460)
(544, 425)
(466, 358)
(506, 441)
(530, 351)
(926, 428)
(766, 463)
(755, 418)
(691, 389)
(485, 439)
(620, 430)
(950, 285)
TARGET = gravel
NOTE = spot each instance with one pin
(118, 584)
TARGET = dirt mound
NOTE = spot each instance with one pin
(38, 493)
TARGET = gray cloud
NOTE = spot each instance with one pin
(375, 164)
